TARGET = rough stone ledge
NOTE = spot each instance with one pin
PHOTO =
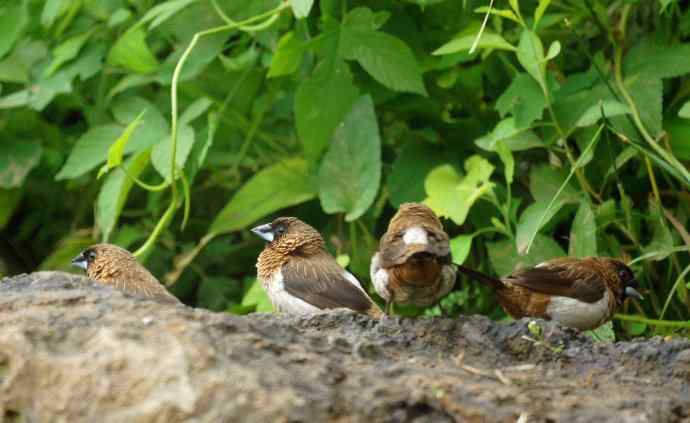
(73, 351)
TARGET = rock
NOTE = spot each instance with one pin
(74, 351)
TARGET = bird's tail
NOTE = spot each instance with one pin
(481, 277)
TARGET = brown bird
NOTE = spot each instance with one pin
(117, 267)
(413, 264)
(301, 277)
(578, 293)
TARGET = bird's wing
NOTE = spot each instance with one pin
(321, 282)
(394, 251)
(566, 277)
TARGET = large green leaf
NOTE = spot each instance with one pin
(652, 60)
(451, 196)
(524, 99)
(514, 139)
(161, 154)
(114, 193)
(385, 57)
(17, 158)
(410, 168)
(465, 39)
(530, 54)
(276, 187)
(529, 222)
(287, 57)
(117, 150)
(583, 233)
(321, 103)
(132, 52)
(544, 182)
(67, 51)
(13, 19)
(89, 151)
(350, 173)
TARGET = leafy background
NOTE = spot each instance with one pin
(171, 127)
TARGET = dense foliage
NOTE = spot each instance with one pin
(557, 127)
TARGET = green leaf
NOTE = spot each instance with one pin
(505, 259)
(321, 103)
(651, 60)
(410, 168)
(131, 52)
(554, 49)
(544, 182)
(530, 54)
(593, 113)
(504, 13)
(89, 151)
(51, 11)
(386, 58)
(603, 333)
(281, 185)
(464, 40)
(160, 156)
(350, 172)
(242, 60)
(460, 248)
(114, 192)
(506, 157)
(256, 296)
(684, 111)
(301, 8)
(539, 11)
(67, 51)
(17, 158)
(117, 150)
(513, 138)
(662, 238)
(197, 157)
(162, 12)
(13, 19)
(524, 99)
(450, 196)
(153, 128)
(194, 110)
(529, 222)
(583, 233)
(9, 200)
(287, 57)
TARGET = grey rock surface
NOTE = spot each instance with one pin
(74, 351)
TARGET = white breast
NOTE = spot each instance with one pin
(379, 277)
(579, 314)
(415, 235)
(282, 300)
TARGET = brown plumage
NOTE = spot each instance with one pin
(301, 277)
(117, 267)
(413, 264)
(579, 293)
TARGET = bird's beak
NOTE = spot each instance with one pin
(264, 231)
(80, 261)
(632, 292)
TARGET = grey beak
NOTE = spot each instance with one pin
(632, 292)
(80, 261)
(264, 231)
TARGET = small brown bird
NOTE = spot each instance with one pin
(301, 277)
(413, 264)
(578, 293)
(117, 267)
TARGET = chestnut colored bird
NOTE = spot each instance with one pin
(117, 267)
(301, 277)
(578, 293)
(413, 264)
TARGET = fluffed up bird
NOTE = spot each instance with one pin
(578, 293)
(301, 277)
(413, 265)
(117, 267)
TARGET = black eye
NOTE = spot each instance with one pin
(623, 274)
(91, 256)
(279, 230)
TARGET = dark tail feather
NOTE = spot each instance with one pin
(481, 277)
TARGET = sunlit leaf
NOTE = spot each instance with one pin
(116, 151)
(131, 51)
(301, 8)
(583, 233)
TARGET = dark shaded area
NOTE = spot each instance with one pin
(74, 351)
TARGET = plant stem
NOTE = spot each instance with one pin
(653, 322)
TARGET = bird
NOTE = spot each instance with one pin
(413, 265)
(301, 277)
(581, 293)
(114, 266)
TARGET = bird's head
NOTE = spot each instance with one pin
(98, 257)
(414, 214)
(626, 286)
(289, 234)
